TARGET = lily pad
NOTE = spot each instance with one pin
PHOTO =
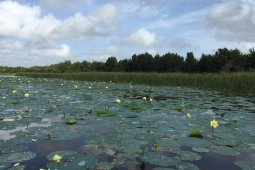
(106, 113)
(195, 133)
(17, 157)
(224, 150)
(246, 165)
(156, 158)
(71, 122)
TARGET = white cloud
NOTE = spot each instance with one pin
(141, 37)
(23, 21)
(27, 22)
(54, 50)
(232, 21)
(56, 4)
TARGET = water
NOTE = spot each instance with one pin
(144, 134)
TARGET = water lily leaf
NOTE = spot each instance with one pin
(187, 166)
(105, 165)
(147, 137)
(245, 165)
(156, 158)
(224, 150)
(200, 150)
(195, 133)
(188, 156)
(71, 122)
(106, 113)
(17, 157)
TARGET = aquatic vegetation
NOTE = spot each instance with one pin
(57, 158)
(26, 95)
(188, 115)
(195, 133)
(106, 113)
(71, 121)
(138, 134)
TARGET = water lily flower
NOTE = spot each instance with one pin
(118, 101)
(26, 94)
(214, 123)
(57, 158)
(90, 87)
(76, 86)
(150, 100)
(144, 98)
(4, 97)
(14, 91)
(188, 115)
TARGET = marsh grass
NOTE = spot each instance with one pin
(240, 83)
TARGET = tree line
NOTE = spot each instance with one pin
(223, 60)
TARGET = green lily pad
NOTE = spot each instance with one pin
(195, 133)
(136, 108)
(188, 156)
(71, 122)
(17, 157)
(201, 150)
(224, 150)
(158, 159)
(245, 165)
(131, 116)
(106, 113)
(147, 137)
(187, 166)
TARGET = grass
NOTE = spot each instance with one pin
(238, 83)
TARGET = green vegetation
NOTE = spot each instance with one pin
(238, 83)
(195, 133)
(223, 60)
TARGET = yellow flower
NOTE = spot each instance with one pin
(76, 86)
(188, 115)
(14, 91)
(57, 158)
(118, 101)
(26, 94)
(144, 98)
(214, 123)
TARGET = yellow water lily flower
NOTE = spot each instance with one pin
(14, 91)
(26, 94)
(76, 86)
(144, 98)
(214, 123)
(188, 115)
(118, 101)
(57, 158)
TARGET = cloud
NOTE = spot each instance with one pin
(48, 48)
(56, 4)
(232, 21)
(141, 37)
(27, 22)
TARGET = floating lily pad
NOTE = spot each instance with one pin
(224, 150)
(17, 157)
(195, 133)
(246, 165)
(200, 150)
(71, 122)
(147, 137)
(188, 156)
(187, 166)
(131, 116)
(106, 113)
(156, 158)
(105, 165)
(136, 108)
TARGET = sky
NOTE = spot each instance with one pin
(44, 32)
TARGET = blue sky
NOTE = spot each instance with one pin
(43, 32)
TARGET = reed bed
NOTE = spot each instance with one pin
(238, 83)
